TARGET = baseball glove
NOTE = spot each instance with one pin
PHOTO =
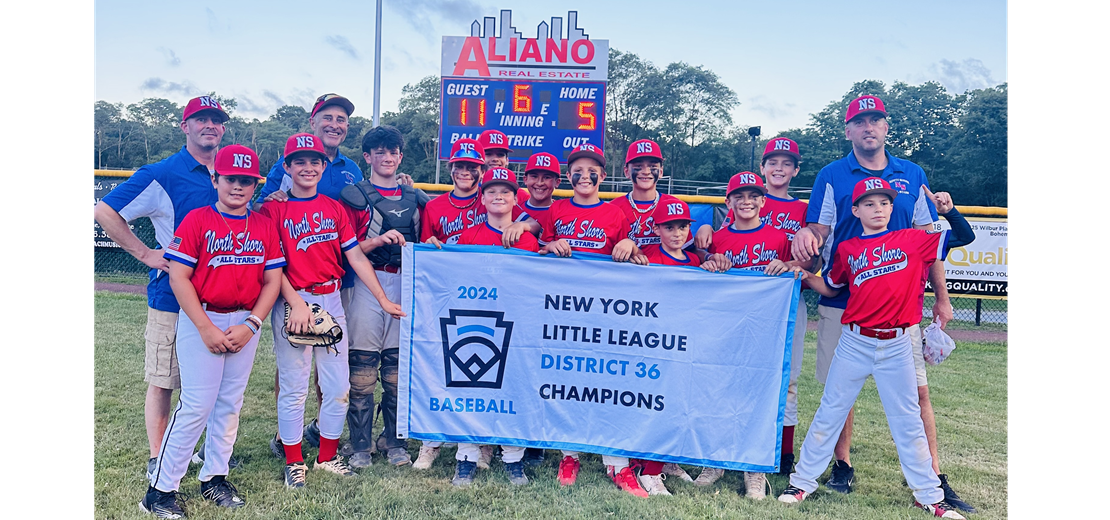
(325, 332)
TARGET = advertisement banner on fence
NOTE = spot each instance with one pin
(979, 268)
(666, 363)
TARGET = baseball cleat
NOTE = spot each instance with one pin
(516, 473)
(940, 509)
(485, 455)
(360, 459)
(755, 485)
(786, 464)
(198, 458)
(312, 433)
(708, 476)
(276, 448)
(426, 457)
(161, 504)
(336, 465)
(653, 484)
(347, 450)
(626, 481)
(792, 495)
(220, 491)
(675, 470)
(568, 471)
(841, 478)
(464, 473)
(398, 456)
(951, 497)
(294, 474)
(533, 457)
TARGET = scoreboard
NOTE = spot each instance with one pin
(537, 116)
(547, 93)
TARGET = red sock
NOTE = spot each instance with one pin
(788, 439)
(328, 447)
(293, 453)
(651, 467)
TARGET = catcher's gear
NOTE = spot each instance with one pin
(323, 330)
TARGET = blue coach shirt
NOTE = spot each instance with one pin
(164, 191)
(339, 173)
(830, 203)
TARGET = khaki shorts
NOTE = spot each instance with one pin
(160, 366)
(828, 335)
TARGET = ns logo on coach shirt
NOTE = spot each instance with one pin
(475, 348)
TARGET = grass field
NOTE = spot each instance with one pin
(968, 392)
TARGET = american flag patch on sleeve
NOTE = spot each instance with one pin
(176, 243)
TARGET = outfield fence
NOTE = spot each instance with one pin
(112, 262)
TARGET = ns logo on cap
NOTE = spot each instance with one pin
(675, 208)
(782, 144)
(747, 178)
(206, 101)
(241, 160)
(866, 104)
(496, 139)
(543, 160)
(306, 141)
(586, 147)
(873, 184)
(466, 146)
(500, 174)
(644, 147)
(475, 348)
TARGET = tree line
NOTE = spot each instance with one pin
(959, 140)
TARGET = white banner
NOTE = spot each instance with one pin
(666, 363)
(981, 267)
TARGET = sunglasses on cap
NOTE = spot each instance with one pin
(464, 153)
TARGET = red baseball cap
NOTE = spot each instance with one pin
(643, 148)
(783, 146)
(202, 103)
(864, 105)
(467, 150)
(587, 150)
(333, 99)
(871, 186)
(670, 211)
(542, 161)
(494, 140)
(237, 159)
(304, 143)
(745, 180)
(500, 176)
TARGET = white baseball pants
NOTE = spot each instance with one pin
(890, 362)
(608, 460)
(212, 387)
(294, 367)
(471, 452)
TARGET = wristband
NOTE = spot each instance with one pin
(254, 330)
(256, 320)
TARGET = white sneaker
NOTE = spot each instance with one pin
(653, 484)
(708, 476)
(485, 456)
(755, 485)
(426, 457)
(336, 465)
(675, 470)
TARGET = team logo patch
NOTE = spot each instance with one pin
(864, 276)
(475, 348)
(176, 244)
(901, 185)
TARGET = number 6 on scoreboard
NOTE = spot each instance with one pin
(522, 98)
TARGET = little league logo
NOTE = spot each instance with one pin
(475, 347)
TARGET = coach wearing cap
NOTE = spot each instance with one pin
(164, 191)
(830, 209)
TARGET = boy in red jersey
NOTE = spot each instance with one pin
(499, 190)
(316, 236)
(446, 216)
(747, 243)
(643, 165)
(225, 270)
(583, 223)
(884, 269)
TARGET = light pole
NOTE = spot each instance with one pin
(753, 132)
(378, 63)
(436, 141)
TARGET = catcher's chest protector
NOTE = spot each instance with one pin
(400, 215)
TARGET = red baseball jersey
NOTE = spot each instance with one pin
(657, 255)
(885, 272)
(446, 217)
(228, 254)
(639, 217)
(539, 215)
(789, 215)
(315, 232)
(590, 229)
(752, 249)
(487, 235)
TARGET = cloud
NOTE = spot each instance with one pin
(214, 24)
(186, 88)
(171, 57)
(773, 110)
(342, 44)
(417, 13)
(266, 103)
(959, 77)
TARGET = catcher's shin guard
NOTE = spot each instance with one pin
(360, 412)
(388, 437)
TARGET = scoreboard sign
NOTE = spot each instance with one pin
(547, 94)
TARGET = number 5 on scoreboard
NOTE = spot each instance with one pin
(586, 112)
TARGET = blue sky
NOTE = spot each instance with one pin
(784, 60)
